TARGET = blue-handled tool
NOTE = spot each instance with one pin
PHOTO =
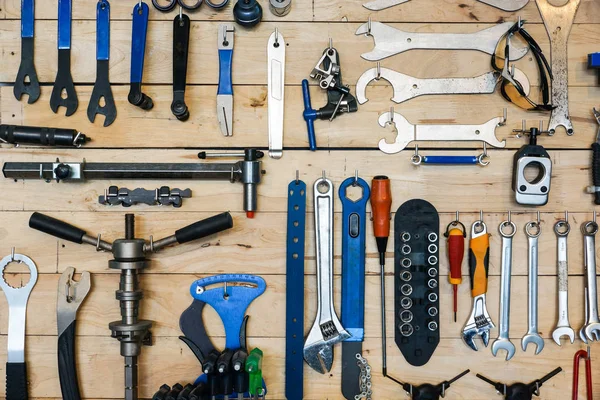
(594, 62)
(309, 115)
(354, 219)
(139, 31)
(27, 80)
(481, 159)
(63, 92)
(225, 89)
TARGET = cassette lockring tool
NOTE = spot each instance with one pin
(130, 258)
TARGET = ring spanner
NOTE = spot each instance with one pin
(592, 323)
(63, 84)
(533, 230)
(27, 81)
(563, 327)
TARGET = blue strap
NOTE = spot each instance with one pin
(138, 41)
(294, 305)
(64, 24)
(354, 218)
(103, 30)
(230, 303)
(309, 116)
(27, 18)
(450, 160)
(225, 61)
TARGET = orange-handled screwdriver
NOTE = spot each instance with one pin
(456, 252)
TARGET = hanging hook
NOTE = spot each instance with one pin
(276, 37)
(12, 254)
(594, 217)
(538, 218)
(378, 77)
(457, 216)
(323, 174)
(330, 44)
(355, 178)
(391, 119)
(480, 215)
(225, 294)
(369, 27)
(509, 216)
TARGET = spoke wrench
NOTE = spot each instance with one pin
(563, 327)
(533, 231)
(181, 40)
(102, 90)
(520, 391)
(592, 322)
(63, 92)
(138, 49)
(27, 80)
(71, 295)
(16, 368)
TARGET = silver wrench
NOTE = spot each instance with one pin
(503, 341)
(592, 323)
(16, 368)
(327, 329)
(533, 230)
(582, 330)
(563, 327)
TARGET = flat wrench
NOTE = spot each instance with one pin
(563, 327)
(407, 132)
(503, 341)
(506, 5)
(558, 22)
(276, 85)
(592, 323)
(533, 333)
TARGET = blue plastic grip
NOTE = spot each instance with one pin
(27, 18)
(138, 41)
(309, 116)
(454, 160)
(225, 61)
(594, 60)
(231, 303)
(354, 218)
(64, 24)
(103, 30)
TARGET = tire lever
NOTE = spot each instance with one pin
(27, 81)
(63, 84)
(139, 31)
(181, 40)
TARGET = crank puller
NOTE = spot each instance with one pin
(185, 393)
(138, 49)
(27, 81)
(181, 40)
(63, 84)
(247, 13)
(102, 92)
(16, 134)
(518, 390)
(595, 188)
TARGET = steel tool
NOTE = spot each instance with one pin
(407, 132)
(594, 62)
(533, 231)
(71, 295)
(16, 367)
(586, 357)
(518, 390)
(481, 159)
(390, 41)
(63, 92)
(17, 135)
(181, 41)
(172, 3)
(558, 22)
(247, 13)
(276, 87)
(595, 188)
(563, 327)
(503, 341)
(27, 81)
(592, 322)
(480, 322)
(327, 329)
(455, 245)
(506, 5)
(139, 31)
(163, 196)
(280, 8)
(586, 312)
(102, 101)
(225, 88)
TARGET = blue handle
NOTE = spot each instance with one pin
(454, 160)
(64, 24)
(103, 30)
(138, 41)
(231, 303)
(27, 18)
(309, 116)
(594, 60)
(354, 218)
(225, 61)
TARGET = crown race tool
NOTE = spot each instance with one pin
(225, 88)
(63, 91)
(27, 81)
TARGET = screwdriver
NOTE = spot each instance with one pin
(456, 252)
(224, 368)
(240, 377)
(254, 369)
(381, 205)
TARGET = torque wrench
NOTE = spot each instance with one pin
(181, 40)
(138, 49)
(276, 87)
(595, 188)
(63, 91)
(27, 81)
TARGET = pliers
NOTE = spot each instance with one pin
(172, 3)
(225, 89)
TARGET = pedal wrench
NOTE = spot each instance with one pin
(592, 324)
(16, 367)
(71, 295)
(139, 32)
(64, 80)
(27, 81)
(181, 40)
(225, 88)
(327, 329)
(503, 341)
(563, 326)
(533, 334)
(102, 89)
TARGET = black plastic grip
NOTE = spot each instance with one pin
(204, 228)
(55, 227)
(67, 371)
(16, 381)
(16, 134)
(596, 170)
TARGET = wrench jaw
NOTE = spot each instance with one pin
(563, 331)
(534, 338)
(318, 348)
(479, 324)
(503, 344)
(592, 331)
(64, 81)
(27, 72)
(102, 91)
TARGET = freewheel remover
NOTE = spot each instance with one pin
(63, 84)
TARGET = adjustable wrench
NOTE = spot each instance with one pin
(563, 327)
(592, 323)
(27, 81)
(533, 230)
(63, 84)
(503, 341)
(16, 368)
(327, 329)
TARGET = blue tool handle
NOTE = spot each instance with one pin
(309, 116)
(452, 160)
(354, 217)
(594, 60)
(64, 24)
(27, 18)
(225, 61)
(103, 30)
(138, 41)
(229, 302)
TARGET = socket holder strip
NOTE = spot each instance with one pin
(416, 289)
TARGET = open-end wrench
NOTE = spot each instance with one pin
(503, 341)
(27, 81)
(181, 41)
(63, 92)
(102, 100)
(563, 327)
(592, 323)
(327, 329)
(16, 368)
(533, 230)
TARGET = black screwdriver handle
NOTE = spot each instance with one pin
(16, 381)
(206, 227)
(596, 170)
(67, 371)
(55, 227)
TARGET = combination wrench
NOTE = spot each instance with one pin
(563, 327)
(27, 81)
(503, 341)
(592, 323)
(533, 231)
